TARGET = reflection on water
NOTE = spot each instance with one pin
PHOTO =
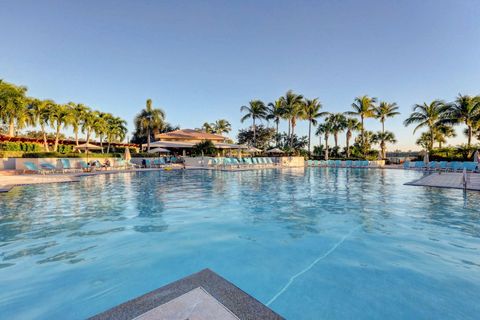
(103, 221)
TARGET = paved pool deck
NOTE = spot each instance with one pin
(201, 296)
(452, 180)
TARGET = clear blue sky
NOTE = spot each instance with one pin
(201, 60)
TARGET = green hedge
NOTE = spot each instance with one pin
(70, 155)
(21, 146)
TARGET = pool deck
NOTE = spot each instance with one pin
(452, 180)
(201, 296)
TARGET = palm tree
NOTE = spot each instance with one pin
(427, 115)
(382, 138)
(58, 116)
(465, 109)
(222, 126)
(78, 111)
(351, 125)
(442, 133)
(150, 119)
(385, 110)
(293, 108)
(207, 127)
(312, 113)
(88, 123)
(325, 129)
(101, 126)
(363, 107)
(255, 110)
(13, 106)
(338, 124)
(116, 130)
(275, 113)
(38, 115)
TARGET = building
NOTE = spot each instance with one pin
(190, 136)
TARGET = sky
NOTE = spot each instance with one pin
(202, 60)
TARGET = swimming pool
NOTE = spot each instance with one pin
(312, 243)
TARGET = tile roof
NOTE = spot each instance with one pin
(189, 134)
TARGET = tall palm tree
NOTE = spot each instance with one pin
(13, 106)
(311, 114)
(351, 125)
(275, 113)
(442, 133)
(385, 110)
(116, 130)
(293, 108)
(59, 116)
(338, 123)
(150, 119)
(363, 107)
(89, 123)
(325, 129)
(427, 115)
(465, 109)
(38, 115)
(101, 126)
(382, 138)
(256, 109)
(222, 126)
(78, 111)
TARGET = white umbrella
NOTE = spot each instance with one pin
(159, 150)
(275, 150)
(86, 147)
(252, 149)
(476, 156)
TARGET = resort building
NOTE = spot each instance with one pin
(191, 136)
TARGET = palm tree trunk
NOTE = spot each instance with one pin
(383, 126)
(11, 128)
(293, 132)
(57, 135)
(289, 128)
(148, 139)
(276, 131)
(469, 136)
(45, 143)
(363, 137)
(309, 135)
(347, 138)
(76, 137)
(326, 147)
(335, 137)
(254, 132)
(108, 146)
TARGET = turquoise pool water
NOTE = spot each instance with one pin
(315, 243)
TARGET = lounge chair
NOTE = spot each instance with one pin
(406, 165)
(48, 167)
(470, 166)
(32, 167)
(457, 166)
(66, 166)
(432, 166)
(348, 163)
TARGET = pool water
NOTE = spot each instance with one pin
(318, 243)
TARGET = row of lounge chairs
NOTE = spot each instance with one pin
(453, 166)
(64, 165)
(242, 162)
(339, 163)
(159, 162)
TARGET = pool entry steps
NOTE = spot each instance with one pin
(203, 296)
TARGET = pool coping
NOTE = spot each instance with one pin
(230, 296)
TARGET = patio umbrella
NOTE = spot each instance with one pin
(159, 150)
(87, 146)
(275, 150)
(252, 149)
(476, 156)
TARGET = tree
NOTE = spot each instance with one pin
(78, 112)
(385, 110)
(89, 123)
(101, 126)
(148, 120)
(116, 130)
(207, 127)
(338, 124)
(275, 113)
(427, 115)
(222, 126)
(263, 137)
(325, 129)
(205, 147)
(311, 114)
(255, 110)
(351, 125)
(59, 116)
(38, 115)
(382, 138)
(293, 109)
(13, 106)
(465, 109)
(363, 107)
(443, 132)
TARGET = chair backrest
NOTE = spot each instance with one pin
(148, 162)
(442, 164)
(30, 166)
(84, 165)
(270, 161)
(432, 164)
(65, 163)
(406, 165)
(457, 165)
(419, 164)
(47, 166)
(348, 163)
(338, 163)
(470, 166)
